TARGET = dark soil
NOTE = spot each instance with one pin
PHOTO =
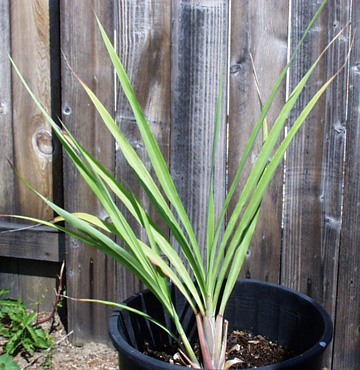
(254, 350)
(250, 350)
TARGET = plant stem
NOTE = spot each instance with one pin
(58, 294)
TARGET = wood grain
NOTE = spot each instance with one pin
(39, 293)
(304, 167)
(257, 29)
(143, 29)
(27, 142)
(88, 270)
(347, 324)
(30, 49)
(34, 243)
(199, 53)
(315, 163)
(7, 181)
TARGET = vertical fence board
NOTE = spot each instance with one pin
(143, 29)
(331, 198)
(7, 175)
(305, 169)
(259, 28)
(199, 44)
(315, 163)
(27, 137)
(88, 270)
(347, 323)
(30, 48)
(7, 181)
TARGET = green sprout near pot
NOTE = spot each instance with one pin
(20, 327)
(208, 286)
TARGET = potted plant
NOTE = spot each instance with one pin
(286, 316)
(201, 297)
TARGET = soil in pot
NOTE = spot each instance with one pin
(253, 351)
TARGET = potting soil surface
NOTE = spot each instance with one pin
(246, 349)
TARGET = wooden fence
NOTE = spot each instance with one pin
(308, 234)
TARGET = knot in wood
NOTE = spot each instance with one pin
(2, 109)
(235, 68)
(43, 142)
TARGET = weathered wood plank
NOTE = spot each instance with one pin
(30, 48)
(7, 180)
(39, 281)
(88, 270)
(305, 166)
(29, 145)
(9, 277)
(347, 329)
(55, 76)
(199, 54)
(258, 28)
(143, 29)
(315, 163)
(38, 243)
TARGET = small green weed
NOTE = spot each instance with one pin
(17, 324)
(8, 363)
(48, 362)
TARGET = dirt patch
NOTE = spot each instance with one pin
(64, 356)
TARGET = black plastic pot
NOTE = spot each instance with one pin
(283, 315)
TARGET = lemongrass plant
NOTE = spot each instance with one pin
(208, 285)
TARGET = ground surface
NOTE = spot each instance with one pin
(65, 356)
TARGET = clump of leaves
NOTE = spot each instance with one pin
(8, 363)
(19, 325)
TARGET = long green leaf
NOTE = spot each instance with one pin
(251, 142)
(106, 244)
(257, 172)
(128, 308)
(155, 156)
(148, 183)
(211, 246)
(269, 173)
